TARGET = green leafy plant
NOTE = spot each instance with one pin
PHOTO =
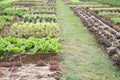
(104, 13)
(34, 45)
(21, 8)
(39, 18)
(115, 20)
(5, 18)
(3, 6)
(38, 30)
(105, 9)
(14, 12)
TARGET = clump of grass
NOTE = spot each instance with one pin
(70, 77)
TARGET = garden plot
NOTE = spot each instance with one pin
(107, 36)
(33, 42)
(110, 15)
(7, 17)
(25, 16)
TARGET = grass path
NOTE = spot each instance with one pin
(82, 58)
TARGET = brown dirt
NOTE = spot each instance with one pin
(29, 58)
(117, 27)
(31, 72)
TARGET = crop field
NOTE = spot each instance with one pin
(59, 40)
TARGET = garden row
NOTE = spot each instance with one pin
(107, 36)
(112, 15)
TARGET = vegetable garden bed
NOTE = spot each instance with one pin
(105, 35)
(31, 40)
(110, 15)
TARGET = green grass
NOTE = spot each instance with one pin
(82, 58)
(113, 2)
(78, 2)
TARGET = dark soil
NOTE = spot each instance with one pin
(29, 58)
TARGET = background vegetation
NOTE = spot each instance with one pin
(113, 2)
